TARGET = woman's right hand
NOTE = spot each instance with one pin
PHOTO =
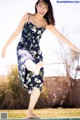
(3, 52)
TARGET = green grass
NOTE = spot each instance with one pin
(45, 113)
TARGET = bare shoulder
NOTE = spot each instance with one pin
(23, 21)
(50, 26)
(25, 17)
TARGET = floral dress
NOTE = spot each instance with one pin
(29, 48)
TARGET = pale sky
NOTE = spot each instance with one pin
(67, 16)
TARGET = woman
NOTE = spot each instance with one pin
(30, 60)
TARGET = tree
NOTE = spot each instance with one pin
(70, 57)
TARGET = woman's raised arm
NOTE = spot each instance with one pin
(61, 37)
(15, 33)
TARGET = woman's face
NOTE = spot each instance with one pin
(42, 8)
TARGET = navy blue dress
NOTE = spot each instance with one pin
(29, 48)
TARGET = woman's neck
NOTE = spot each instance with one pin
(38, 16)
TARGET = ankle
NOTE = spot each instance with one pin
(29, 111)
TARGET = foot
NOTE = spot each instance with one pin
(31, 115)
(38, 67)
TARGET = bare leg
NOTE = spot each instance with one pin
(33, 100)
(31, 66)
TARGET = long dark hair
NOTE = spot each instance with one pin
(49, 15)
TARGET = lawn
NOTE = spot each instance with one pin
(45, 113)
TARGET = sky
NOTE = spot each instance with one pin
(67, 17)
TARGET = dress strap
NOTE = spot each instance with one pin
(28, 17)
(45, 25)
